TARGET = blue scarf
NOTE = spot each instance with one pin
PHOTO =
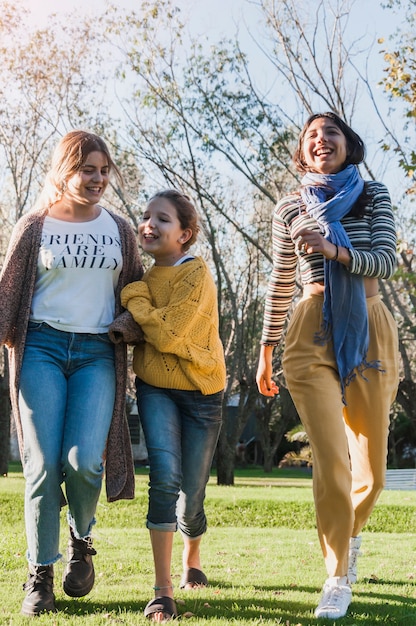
(328, 198)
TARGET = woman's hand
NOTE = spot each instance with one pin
(265, 384)
(311, 241)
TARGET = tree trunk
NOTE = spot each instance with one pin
(272, 435)
(233, 426)
(225, 460)
(406, 395)
(268, 464)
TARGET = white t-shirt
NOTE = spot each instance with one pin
(79, 265)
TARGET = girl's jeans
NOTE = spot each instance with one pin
(181, 430)
(66, 400)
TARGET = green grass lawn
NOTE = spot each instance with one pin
(261, 555)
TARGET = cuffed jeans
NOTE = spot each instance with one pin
(66, 401)
(181, 430)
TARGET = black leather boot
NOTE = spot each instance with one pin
(79, 575)
(39, 587)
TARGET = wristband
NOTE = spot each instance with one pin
(336, 253)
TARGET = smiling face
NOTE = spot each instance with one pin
(87, 185)
(160, 232)
(324, 148)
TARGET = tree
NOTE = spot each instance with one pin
(199, 121)
(194, 125)
(400, 83)
(192, 116)
(47, 82)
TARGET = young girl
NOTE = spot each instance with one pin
(180, 373)
(341, 354)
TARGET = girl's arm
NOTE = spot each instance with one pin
(192, 303)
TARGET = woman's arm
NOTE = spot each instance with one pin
(281, 286)
(380, 261)
(265, 384)
(18, 276)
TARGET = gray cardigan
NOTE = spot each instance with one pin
(17, 282)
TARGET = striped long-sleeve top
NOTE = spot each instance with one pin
(373, 252)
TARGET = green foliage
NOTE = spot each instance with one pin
(400, 83)
(48, 80)
(189, 113)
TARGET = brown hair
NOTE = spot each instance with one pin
(355, 145)
(186, 212)
(69, 156)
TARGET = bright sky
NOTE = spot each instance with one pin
(216, 19)
(219, 16)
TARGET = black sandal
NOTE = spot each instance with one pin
(194, 577)
(162, 604)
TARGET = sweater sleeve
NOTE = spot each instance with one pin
(132, 264)
(282, 284)
(170, 327)
(17, 277)
(380, 261)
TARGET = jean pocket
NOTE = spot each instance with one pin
(36, 325)
(102, 337)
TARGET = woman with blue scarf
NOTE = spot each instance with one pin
(337, 235)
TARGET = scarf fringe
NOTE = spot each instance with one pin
(360, 369)
(323, 336)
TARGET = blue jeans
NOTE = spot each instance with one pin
(181, 430)
(66, 401)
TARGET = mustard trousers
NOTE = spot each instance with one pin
(349, 443)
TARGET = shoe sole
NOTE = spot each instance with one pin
(77, 592)
(32, 611)
(74, 590)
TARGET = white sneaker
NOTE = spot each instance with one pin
(336, 598)
(353, 554)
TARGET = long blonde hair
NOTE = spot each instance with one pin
(69, 156)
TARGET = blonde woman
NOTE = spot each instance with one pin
(66, 264)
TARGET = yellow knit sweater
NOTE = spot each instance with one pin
(176, 307)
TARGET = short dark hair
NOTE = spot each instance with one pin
(355, 145)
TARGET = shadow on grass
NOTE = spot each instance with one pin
(366, 605)
(198, 607)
